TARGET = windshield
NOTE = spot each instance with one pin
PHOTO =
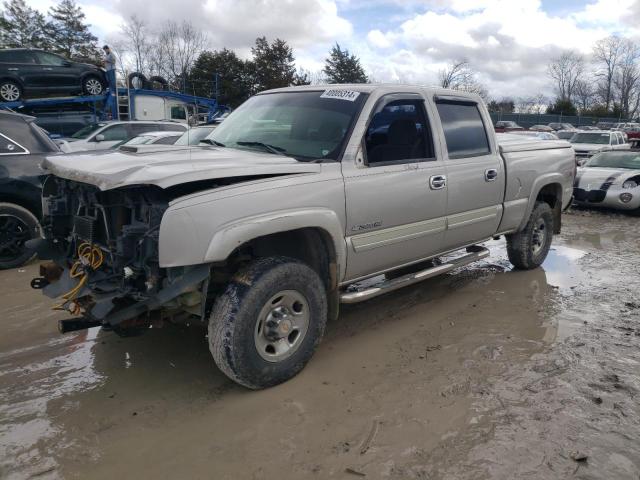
(88, 130)
(630, 160)
(305, 125)
(598, 138)
(193, 136)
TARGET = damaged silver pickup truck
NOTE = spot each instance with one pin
(301, 194)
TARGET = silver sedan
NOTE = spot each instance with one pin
(610, 179)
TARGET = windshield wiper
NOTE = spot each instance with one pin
(210, 141)
(270, 148)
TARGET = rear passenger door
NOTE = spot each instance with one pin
(475, 173)
(395, 190)
(21, 64)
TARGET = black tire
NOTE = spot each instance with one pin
(137, 80)
(164, 85)
(17, 225)
(92, 85)
(528, 248)
(8, 91)
(235, 321)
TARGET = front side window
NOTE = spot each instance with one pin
(306, 125)
(178, 113)
(397, 133)
(45, 58)
(464, 129)
(9, 147)
(115, 133)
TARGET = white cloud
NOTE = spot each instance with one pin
(379, 39)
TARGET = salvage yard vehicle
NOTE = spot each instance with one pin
(27, 72)
(507, 126)
(305, 192)
(23, 146)
(610, 179)
(587, 144)
(105, 135)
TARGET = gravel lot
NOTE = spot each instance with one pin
(485, 373)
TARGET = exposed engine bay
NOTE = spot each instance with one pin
(105, 252)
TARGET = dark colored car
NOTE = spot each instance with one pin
(507, 126)
(27, 73)
(23, 146)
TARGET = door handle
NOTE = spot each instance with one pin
(12, 69)
(437, 182)
(490, 174)
(47, 68)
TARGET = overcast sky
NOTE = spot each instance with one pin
(509, 42)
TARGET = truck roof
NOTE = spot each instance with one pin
(383, 88)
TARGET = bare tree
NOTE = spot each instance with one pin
(566, 71)
(138, 43)
(180, 44)
(626, 80)
(460, 76)
(584, 94)
(606, 54)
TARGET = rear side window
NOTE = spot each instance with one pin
(19, 56)
(9, 147)
(397, 133)
(464, 129)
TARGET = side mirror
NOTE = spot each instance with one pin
(99, 137)
(66, 64)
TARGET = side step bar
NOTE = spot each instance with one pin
(475, 253)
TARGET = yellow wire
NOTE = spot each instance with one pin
(89, 256)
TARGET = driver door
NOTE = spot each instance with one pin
(396, 190)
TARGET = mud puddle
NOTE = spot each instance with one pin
(485, 373)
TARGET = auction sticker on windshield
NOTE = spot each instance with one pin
(348, 95)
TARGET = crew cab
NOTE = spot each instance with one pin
(587, 144)
(301, 194)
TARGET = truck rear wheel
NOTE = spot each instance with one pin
(528, 248)
(268, 322)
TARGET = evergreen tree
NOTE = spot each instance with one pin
(22, 26)
(273, 64)
(343, 67)
(225, 71)
(70, 35)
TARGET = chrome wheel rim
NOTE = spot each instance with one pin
(539, 236)
(93, 86)
(9, 92)
(282, 325)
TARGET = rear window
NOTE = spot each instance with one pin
(464, 129)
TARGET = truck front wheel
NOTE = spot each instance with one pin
(268, 322)
(528, 248)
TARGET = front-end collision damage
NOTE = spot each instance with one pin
(104, 251)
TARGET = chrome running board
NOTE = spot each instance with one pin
(475, 253)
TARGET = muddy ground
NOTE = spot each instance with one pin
(485, 373)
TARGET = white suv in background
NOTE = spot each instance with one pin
(104, 135)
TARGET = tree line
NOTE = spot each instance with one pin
(604, 83)
(179, 53)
